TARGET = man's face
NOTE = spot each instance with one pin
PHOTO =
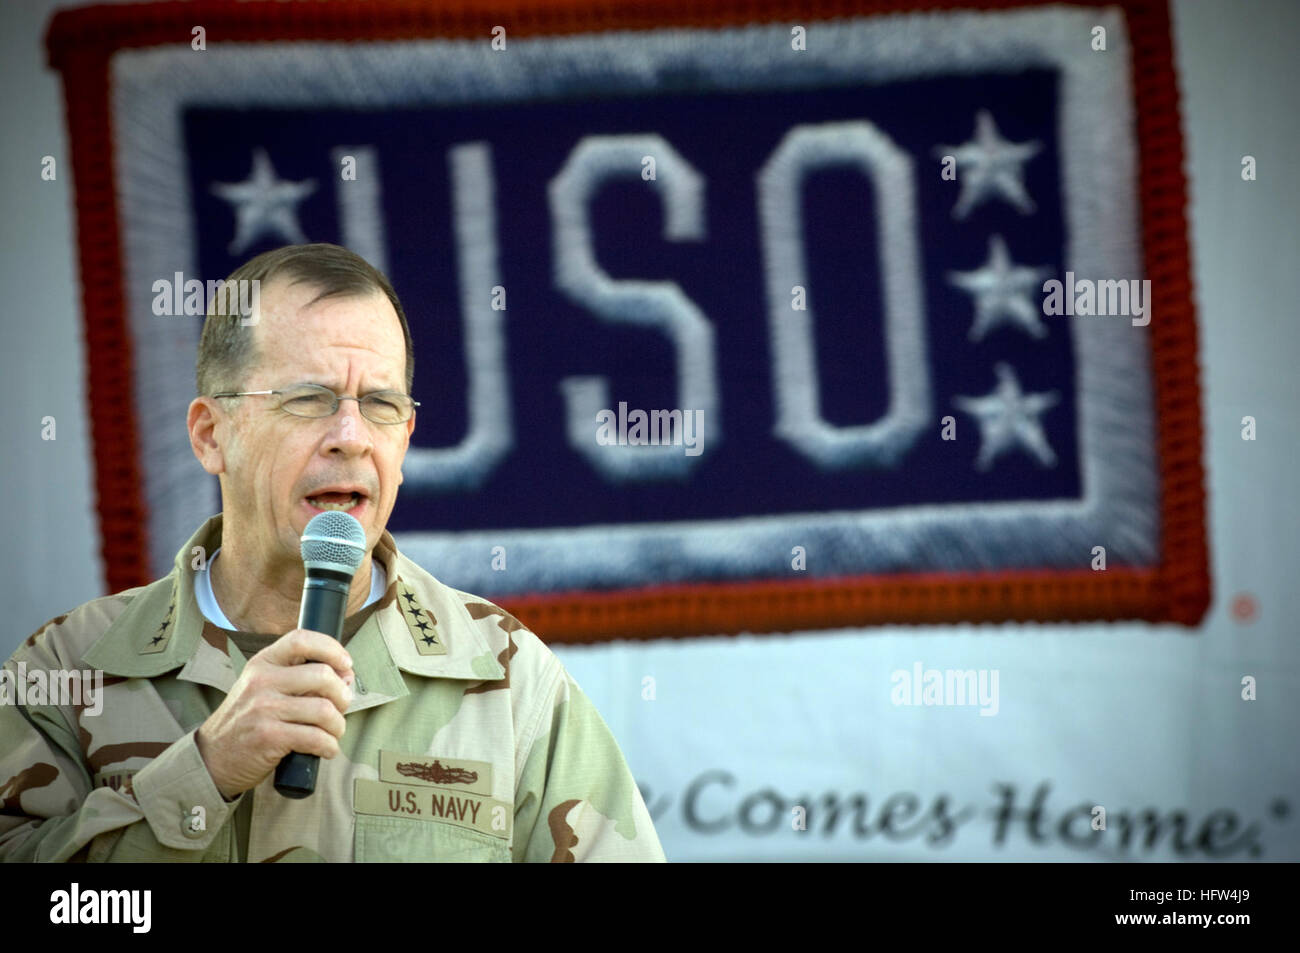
(277, 469)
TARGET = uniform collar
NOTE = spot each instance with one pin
(421, 627)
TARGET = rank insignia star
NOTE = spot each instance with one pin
(421, 622)
(160, 639)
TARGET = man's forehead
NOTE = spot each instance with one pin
(286, 300)
(300, 327)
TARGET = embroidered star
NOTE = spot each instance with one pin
(264, 204)
(428, 640)
(990, 167)
(156, 639)
(1002, 292)
(421, 624)
(410, 598)
(1007, 418)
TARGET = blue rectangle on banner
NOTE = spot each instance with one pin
(744, 466)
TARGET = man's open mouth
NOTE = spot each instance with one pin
(335, 501)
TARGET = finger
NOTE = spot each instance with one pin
(308, 739)
(311, 678)
(311, 711)
(303, 645)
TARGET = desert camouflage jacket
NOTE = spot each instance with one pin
(466, 740)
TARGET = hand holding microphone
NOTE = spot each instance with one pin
(333, 546)
(286, 709)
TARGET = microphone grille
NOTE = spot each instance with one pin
(333, 540)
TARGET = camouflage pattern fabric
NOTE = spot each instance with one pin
(466, 741)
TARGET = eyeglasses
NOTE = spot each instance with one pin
(314, 400)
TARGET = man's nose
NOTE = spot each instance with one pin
(348, 431)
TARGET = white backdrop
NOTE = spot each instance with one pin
(740, 730)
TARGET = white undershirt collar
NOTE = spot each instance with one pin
(212, 612)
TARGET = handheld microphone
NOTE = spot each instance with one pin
(333, 546)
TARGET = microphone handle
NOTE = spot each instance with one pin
(324, 605)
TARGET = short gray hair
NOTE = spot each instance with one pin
(226, 348)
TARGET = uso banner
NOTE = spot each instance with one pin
(727, 317)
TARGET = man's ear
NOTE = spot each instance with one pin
(202, 424)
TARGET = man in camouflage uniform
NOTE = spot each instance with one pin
(447, 730)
